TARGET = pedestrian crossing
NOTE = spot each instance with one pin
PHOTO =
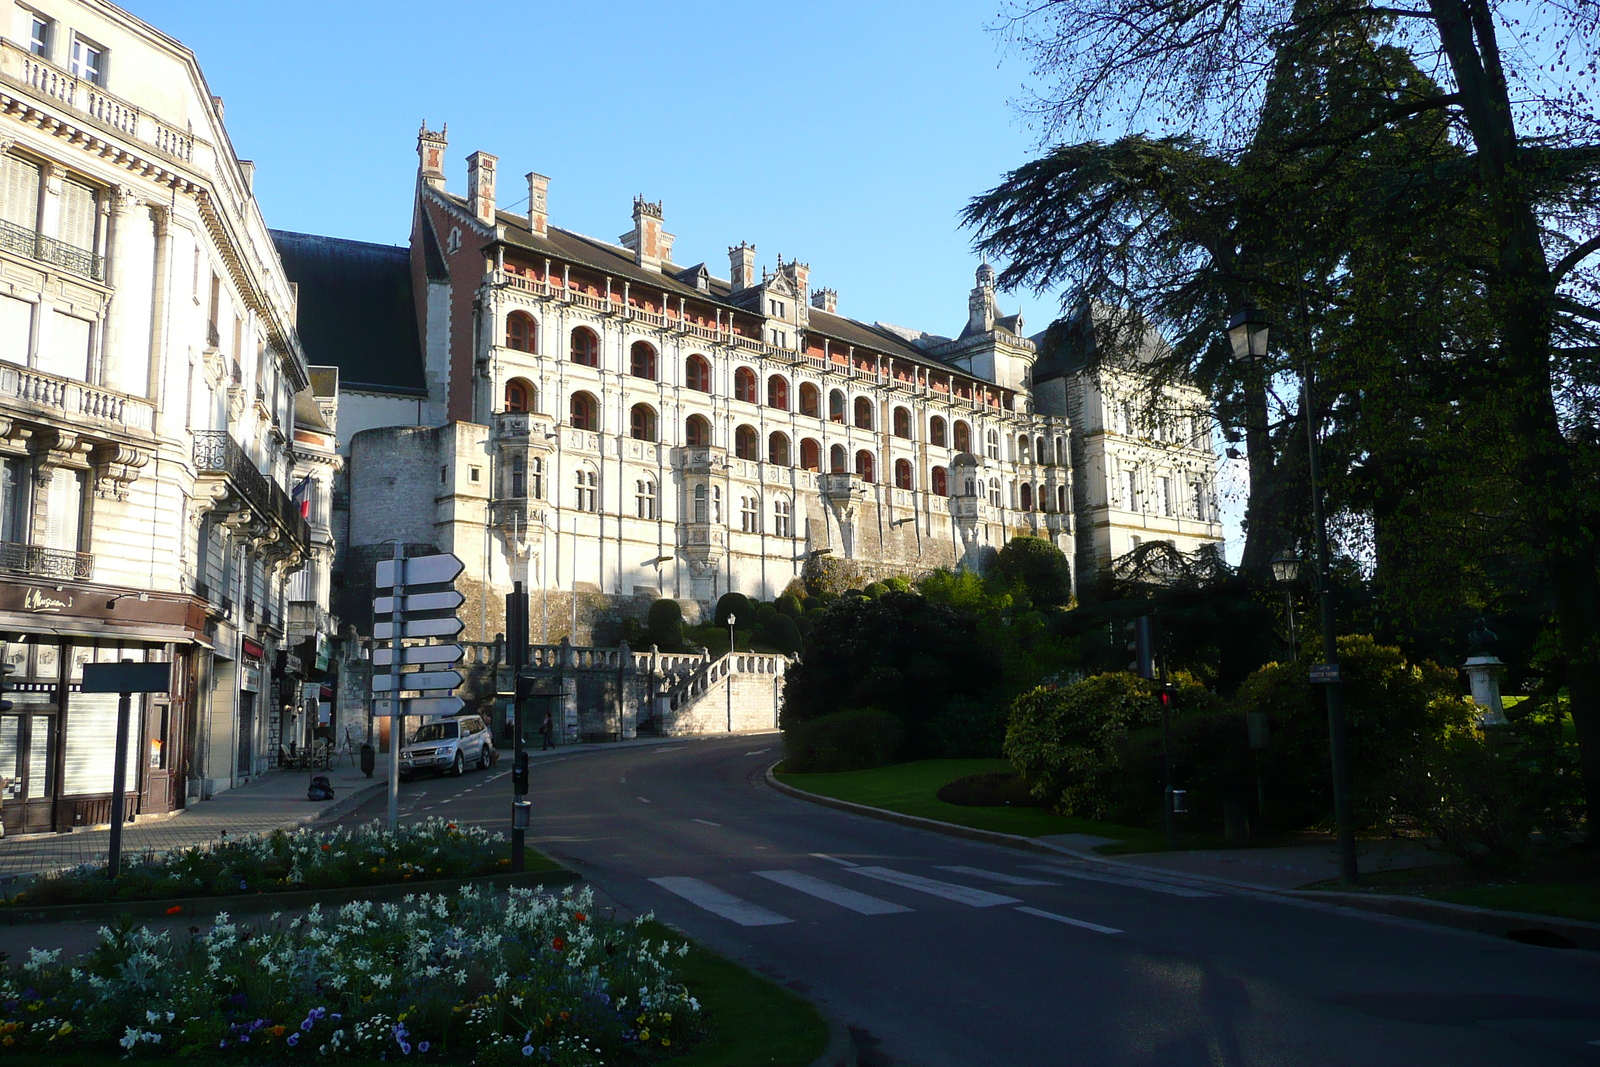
(846, 884)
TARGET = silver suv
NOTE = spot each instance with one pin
(450, 745)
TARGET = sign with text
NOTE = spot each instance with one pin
(420, 570)
(127, 677)
(1324, 673)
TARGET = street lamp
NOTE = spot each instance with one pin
(732, 618)
(1286, 569)
(1247, 334)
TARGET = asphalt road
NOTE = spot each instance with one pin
(939, 952)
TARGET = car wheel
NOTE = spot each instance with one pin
(483, 757)
(459, 767)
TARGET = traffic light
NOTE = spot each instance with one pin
(1142, 646)
(519, 774)
(1166, 696)
(524, 687)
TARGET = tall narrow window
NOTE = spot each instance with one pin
(642, 422)
(14, 483)
(1164, 496)
(64, 524)
(994, 493)
(644, 498)
(585, 412)
(642, 360)
(1130, 490)
(697, 374)
(585, 347)
(522, 332)
(697, 432)
(778, 392)
(864, 465)
(39, 36)
(782, 518)
(519, 476)
(902, 422)
(778, 449)
(749, 514)
(863, 413)
(963, 437)
(992, 444)
(519, 395)
(836, 406)
(588, 495)
(810, 454)
(1061, 499)
(810, 400)
(746, 443)
(744, 385)
(836, 459)
(1027, 497)
(902, 474)
(700, 511)
(536, 478)
(1197, 498)
(936, 432)
(941, 482)
(19, 192)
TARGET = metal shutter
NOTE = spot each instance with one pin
(77, 215)
(19, 192)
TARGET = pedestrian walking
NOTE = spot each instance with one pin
(547, 730)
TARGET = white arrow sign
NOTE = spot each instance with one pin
(421, 570)
(444, 601)
(419, 706)
(430, 655)
(384, 631)
(383, 683)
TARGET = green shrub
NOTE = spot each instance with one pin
(782, 634)
(734, 604)
(897, 584)
(789, 604)
(852, 740)
(764, 611)
(990, 791)
(1038, 567)
(1064, 741)
(875, 590)
(665, 624)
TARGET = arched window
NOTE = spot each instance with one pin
(588, 489)
(585, 412)
(519, 395)
(810, 454)
(642, 360)
(642, 422)
(836, 406)
(1027, 497)
(536, 478)
(963, 437)
(1041, 451)
(902, 422)
(863, 413)
(522, 332)
(864, 465)
(750, 514)
(778, 449)
(585, 347)
(644, 498)
(941, 482)
(746, 443)
(810, 400)
(519, 476)
(778, 392)
(700, 511)
(902, 474)
(836, 459)
(992, 444)
(697, 374)
(782, 518)
(697, 432)
(1043, 497)
(744, 385)
(1023, 449)
(936, 432)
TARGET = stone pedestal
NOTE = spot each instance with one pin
(1483, 673)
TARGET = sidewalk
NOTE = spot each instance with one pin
(275, 799)
(1290, 867)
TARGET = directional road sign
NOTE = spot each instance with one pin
(448, 600)
(419, 706)
(429, 655)
(384, 631)
(421, 570)
(383, 683)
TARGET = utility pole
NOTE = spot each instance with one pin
(397, 720)
(517, 657)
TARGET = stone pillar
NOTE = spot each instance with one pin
(1483, 673)
(122, 202)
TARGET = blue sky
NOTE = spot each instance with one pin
(848, 135)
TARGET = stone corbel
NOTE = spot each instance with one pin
(118, 466)
(60, 449)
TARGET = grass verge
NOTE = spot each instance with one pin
(1564, 884)
(912, 789)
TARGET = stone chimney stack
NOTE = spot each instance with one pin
(982, 310)
(538, 208)
(480, 185)
(742, 266)
(646, 237)
(430, 155)
(826, 300)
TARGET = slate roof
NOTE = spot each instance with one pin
(356, 310)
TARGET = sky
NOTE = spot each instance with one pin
(845, 134)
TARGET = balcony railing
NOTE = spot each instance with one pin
(217, 453)
(74, 400)
(22, 67)
(36, 561)
(44, 249)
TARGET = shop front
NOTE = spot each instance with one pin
(57, 743)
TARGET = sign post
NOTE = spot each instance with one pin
(125, 679)
(517, 657)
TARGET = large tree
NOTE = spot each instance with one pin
(1527, 157)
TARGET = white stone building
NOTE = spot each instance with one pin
(148, 373)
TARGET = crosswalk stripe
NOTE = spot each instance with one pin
(1096, 927)
(860, 903)
(714, 900)
(1123, 880)
(834, 859)
(976, 898)
(996, 876)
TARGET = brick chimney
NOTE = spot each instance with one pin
(826, 300)
(538, 208)
(430, 155)
(480, 186)
(742, 266)
(645, 239)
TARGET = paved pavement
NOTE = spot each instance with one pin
(272, 800)
(942, 952)
(1290, 867)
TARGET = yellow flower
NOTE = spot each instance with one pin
(644, 1035)
(665, 1042)
(8, 1040)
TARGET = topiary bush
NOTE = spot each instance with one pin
(735, 604)
(875, 590)
(782, 634)
(665, 625)
(897, 585)
(789, 604)
(1038, 567)
(851, 740)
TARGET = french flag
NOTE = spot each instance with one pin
(302, 496)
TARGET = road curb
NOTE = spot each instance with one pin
(840, 1051)
(1519, 926)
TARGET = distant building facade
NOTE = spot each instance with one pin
(148, 375)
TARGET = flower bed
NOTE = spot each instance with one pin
(470, 978)
(284, 860)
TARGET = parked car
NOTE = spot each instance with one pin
(451, 745)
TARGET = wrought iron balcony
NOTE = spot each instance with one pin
(36, 561)
(36, 246)
(217, 453)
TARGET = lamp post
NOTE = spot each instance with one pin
(1286, 569)
(1247, 334)
(732, 618)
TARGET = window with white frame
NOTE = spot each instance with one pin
(994, 493)
(1130, 490)
(19, 192)
(644, 498)
(587, 486)
(701, 506)
(782, 518)
(64, 514)
(1164, 496)
(78, 215)
(14, 500)
(68, 351)
(1197, 499)
(536, 478)
(749, 514)
(88, 61)
(992, 445)
(39, 33)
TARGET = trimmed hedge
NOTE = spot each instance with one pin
(852, 740)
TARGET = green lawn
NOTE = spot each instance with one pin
(1563, 883)
(1570, 900)
(912, 788)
